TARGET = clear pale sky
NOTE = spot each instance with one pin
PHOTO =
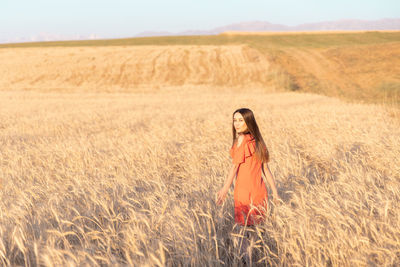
(124, 18)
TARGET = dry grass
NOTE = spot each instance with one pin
(356, 66)
(130, 179)
(117, 69)
(368, 73)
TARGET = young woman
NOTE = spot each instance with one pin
(249, 157)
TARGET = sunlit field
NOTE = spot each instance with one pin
(354, 66)
(112, 151)
(117, 179)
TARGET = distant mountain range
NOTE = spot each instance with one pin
(340, 25)
(343, 25)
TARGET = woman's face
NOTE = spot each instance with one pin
(238, 123)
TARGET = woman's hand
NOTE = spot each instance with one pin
(277, 199)
(221, 195)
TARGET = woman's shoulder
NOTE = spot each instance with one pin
(249, 138)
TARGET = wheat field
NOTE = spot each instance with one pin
(355, 66)
(129, 179)
(125, 69)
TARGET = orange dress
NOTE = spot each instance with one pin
(250, 194)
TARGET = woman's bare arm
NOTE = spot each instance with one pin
(228, 182)
(271, 181)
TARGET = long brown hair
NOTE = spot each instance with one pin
(261, 149)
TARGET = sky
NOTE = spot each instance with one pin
(21, 19)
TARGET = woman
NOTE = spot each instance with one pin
(249, 157)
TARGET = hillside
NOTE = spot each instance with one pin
(127, 68)
(358, 66)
